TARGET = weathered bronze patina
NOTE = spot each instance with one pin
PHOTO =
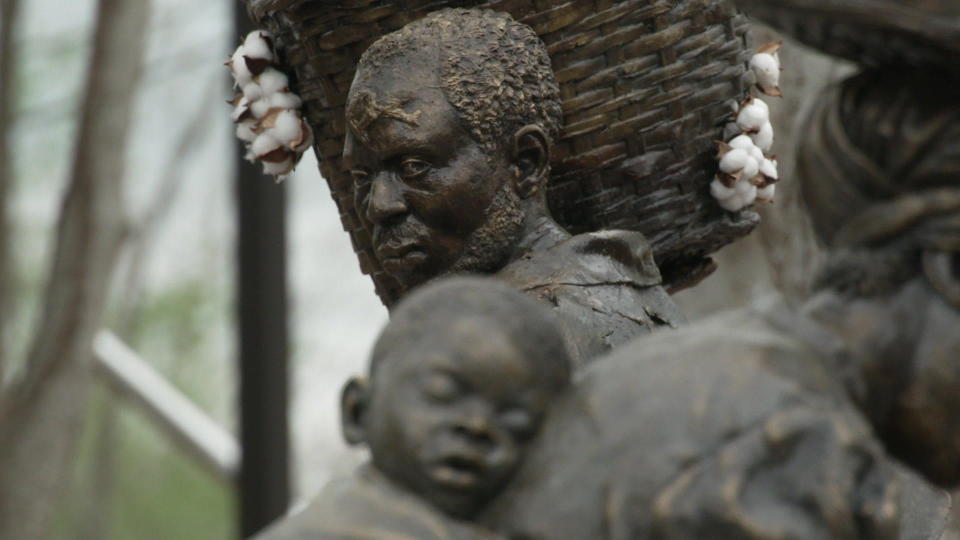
(731, 428)
(876, 33)
(736, 427)
(644, 85)
(881, 175)
(761, 423)
(460, 381)
(451, 121)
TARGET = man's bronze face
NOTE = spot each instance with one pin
(434, 200)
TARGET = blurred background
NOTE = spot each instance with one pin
(171, 294)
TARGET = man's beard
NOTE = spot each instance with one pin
(487, 248)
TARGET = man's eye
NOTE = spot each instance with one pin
(360, 177)
(413, 168)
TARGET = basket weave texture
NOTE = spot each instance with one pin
(646, 87)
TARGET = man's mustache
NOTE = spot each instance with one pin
(396, 236)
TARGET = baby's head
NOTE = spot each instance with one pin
(460, 380)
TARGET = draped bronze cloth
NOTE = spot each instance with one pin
(880, 167)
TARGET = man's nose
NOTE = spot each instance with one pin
(386, 199)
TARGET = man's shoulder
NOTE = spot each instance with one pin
(606, 286)
(595, 258)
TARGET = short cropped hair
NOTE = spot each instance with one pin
(529, 324)
(494, 71)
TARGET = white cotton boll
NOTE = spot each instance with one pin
(245, 130)
(307, 138)
(732, 204)
(769, 168)
(264, 144)
(258, 35)
(752, 117)
(272, 81)
(756, 153)
(743, 142)
(241, 74)
(252, 91)
(720, 191)
(286, 129)
(285, 100)
(757, 102)
(278, 169)
(765, 64)
(764, 138)
(750, 168)
(258, 47)
(733, 161)
(745, 189)
(767, 69)
(242, 107)
(766, 194)
(260, 107)
(250, 157)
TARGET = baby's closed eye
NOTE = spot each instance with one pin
(518, 421)
(440, 387)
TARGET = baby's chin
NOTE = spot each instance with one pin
(458, 491)
(459, 505)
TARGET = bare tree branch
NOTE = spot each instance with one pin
(9, 13)
(42, 413)
(140, 240)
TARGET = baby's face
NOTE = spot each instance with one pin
(450, 416)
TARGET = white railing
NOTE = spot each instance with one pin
(178, 417)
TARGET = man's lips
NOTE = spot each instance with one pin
(399, 258)
(392, 251)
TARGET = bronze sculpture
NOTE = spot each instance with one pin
(879, 173)
(460, 381)
(645, 89)
(733, 428)
(719, 462)
(451, 122)
(893, 271)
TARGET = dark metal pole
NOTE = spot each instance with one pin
(262, 339)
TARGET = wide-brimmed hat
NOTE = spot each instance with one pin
(646, 87)
(920, 33)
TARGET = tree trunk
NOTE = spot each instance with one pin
(9, 12)
(42, 414)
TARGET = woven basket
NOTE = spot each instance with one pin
(645, 85)
(920, 33)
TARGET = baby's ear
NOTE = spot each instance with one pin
(353, 407)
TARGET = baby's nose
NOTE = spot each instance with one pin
(475, 427)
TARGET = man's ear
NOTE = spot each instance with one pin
(531, 156)
(353, 407)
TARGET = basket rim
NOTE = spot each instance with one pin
(939, 27)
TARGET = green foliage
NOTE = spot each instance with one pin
(129, 482)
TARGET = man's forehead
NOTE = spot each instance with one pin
(384, 118)
(368, 105)
(389, 88)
